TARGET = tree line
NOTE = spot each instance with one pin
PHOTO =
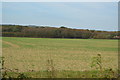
(52, 32)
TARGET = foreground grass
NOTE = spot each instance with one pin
(27, 54)
(64, 74)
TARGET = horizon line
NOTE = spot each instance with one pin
(59, 27)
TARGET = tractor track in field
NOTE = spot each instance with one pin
(11, 44)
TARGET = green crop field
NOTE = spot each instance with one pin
(33, 54)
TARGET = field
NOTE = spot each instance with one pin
(33, 54)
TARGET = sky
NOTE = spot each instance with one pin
(60, 0)
(80, 15)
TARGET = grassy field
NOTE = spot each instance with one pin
(28, 54)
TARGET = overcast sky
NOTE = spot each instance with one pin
(82, 15)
